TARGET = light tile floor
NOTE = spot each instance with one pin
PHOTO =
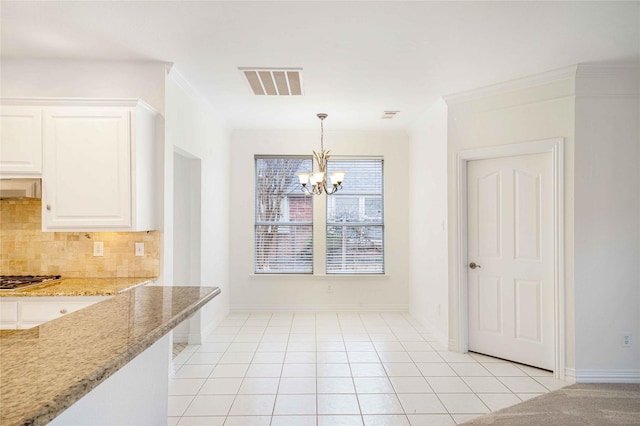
(337, 368)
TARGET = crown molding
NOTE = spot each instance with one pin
(608, 70)
(512, 85)
(174, 74)
(608, 81)
(77, 102)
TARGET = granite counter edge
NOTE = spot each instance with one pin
(85, 385)
(53, 289)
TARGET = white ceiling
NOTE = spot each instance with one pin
(358, 58)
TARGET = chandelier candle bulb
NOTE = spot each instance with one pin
(337, 177)
(304, 178)
(318, 178)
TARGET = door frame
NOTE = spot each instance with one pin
(459, 298)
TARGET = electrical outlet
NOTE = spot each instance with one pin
(98, 249)
(139, 249)
(329, 289)
(626, 340)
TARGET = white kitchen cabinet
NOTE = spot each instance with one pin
(27, 312)
(20, 141)
(99, 166)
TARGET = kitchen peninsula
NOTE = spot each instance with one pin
(105, 364)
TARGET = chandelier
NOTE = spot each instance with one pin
(318, 179)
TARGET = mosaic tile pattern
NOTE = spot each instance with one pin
(25, 249)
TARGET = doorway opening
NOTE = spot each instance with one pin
(186, 228)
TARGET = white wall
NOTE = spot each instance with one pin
(428, 278)
(191, 126)
(249, 291)
(607, 222)
(541, 107)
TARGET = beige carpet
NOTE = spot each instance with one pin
(580, 404)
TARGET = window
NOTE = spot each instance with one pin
(355, 219)
(284, 217)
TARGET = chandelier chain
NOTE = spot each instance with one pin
(322, 117)
(322, 135)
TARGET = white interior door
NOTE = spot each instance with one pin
(510, 239)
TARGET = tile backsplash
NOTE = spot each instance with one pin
(25, 249)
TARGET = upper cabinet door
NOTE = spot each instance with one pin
(20, 141)
(87, 169)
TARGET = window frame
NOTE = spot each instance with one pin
(362, 197)
(319, 225)
(285, 223)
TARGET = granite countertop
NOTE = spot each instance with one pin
(45, 369)
(80, 287)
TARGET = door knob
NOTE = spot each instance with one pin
(474, 265)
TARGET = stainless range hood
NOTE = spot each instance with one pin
(20, 188)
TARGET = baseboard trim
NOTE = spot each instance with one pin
(442, 338)
(603, 376)
(321, 308)
(210, 327)
(453, 345)
(195, 338)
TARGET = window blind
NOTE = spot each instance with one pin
(284, 217)
(355, 219)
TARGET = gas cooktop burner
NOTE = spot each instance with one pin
(15, 282)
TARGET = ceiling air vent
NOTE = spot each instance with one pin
(388, 115)
(274, 81)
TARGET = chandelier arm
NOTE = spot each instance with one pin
(334, 189)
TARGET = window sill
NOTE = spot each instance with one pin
(315, 277)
